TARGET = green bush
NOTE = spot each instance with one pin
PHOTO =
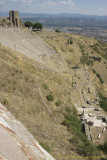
(68, 110)
(99, 77)
(72, 122)
(5, 102)
(13, 74)
(45, 86)
(4, 20)
(9, 23)
(103, 102)
(103, 147)
(74, 140)
(86, 60)
(45, 146)
(94, 71)
(71, 50)
(88, 149)
(50, 97)
(57, 30)
(58, 103)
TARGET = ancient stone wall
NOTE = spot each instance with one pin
(14, 18)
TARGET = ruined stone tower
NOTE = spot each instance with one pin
(14, 18)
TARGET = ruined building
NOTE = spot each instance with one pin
(14, 18)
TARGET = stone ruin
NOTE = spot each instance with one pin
(14, 18)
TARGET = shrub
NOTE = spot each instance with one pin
(68, 110)
(66, 122)
(45, 86)
(74, 140)
(13, 74)
(86, 60)
(71, 50)
(103, 102)
(5, 102)
(94, 71)
(57, 30)
(9, 23)
(99, 77)
(50, 97)
(45, 146)
(72, 122)
(88, 149)
(103, 147)
(58, 103)
(4, 20)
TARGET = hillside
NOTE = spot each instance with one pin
(96, 51)
(28, 78)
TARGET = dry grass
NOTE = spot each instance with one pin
(72, 53)
(21, 87)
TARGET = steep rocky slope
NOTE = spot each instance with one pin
(25, 83)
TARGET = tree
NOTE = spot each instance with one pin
(28, 24)
(37, 26)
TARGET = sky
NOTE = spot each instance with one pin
(88, 7)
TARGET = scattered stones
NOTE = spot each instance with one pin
(103, 130)
(99, 117)
(91, 115)
(99, 136)
(84, 107)
(89, 102)
(89, 90)
(74, 84)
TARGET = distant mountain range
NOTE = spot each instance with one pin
(63, 19)
(60, 15)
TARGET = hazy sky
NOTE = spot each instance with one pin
(96, 7)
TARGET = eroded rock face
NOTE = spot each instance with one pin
(16, 143)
